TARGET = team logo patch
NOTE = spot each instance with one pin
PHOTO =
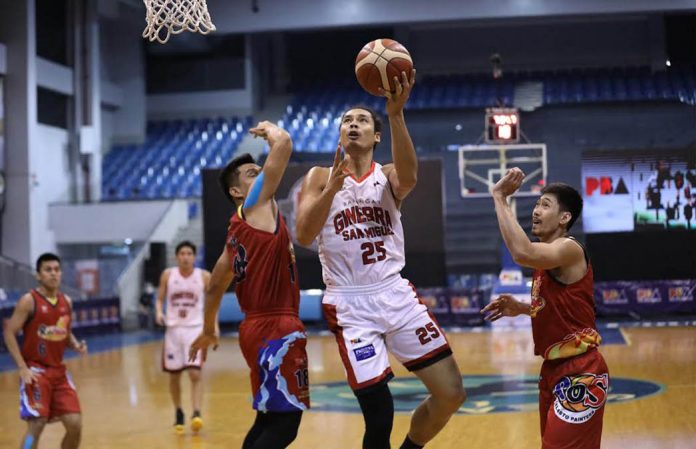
(364, 353)
(240, 263)
(486, 394)
(579, 397)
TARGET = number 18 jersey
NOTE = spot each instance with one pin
(362, 241)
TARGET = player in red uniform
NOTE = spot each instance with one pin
(46, 390)
(574, 378)
(259, 257)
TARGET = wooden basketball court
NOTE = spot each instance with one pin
(126, 404)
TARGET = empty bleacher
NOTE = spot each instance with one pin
(169, 163)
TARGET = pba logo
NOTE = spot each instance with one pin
(614, 296)
(460, 304)
(681, 294)
(579, 397)
(604, 185)
(648, 296)
(430, 301)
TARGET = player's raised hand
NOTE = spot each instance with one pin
(27, 375)
(201, 344)
(270, 132)
(397, 100)
(503, 305)
(339, 171)
(508, 184)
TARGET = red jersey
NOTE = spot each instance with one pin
(47, 332)
(563, 315)
(264, 267)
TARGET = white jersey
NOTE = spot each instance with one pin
(362, 241)
(185, 297)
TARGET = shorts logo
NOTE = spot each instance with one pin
(37, 394)
(364, 353)
(355, 341)
(579, 397)
(170, 356)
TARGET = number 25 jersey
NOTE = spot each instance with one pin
(362, 241)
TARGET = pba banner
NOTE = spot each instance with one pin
(646, 297)
(626, 191)
(455, 306)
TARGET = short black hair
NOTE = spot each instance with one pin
(185, 244)
(376, 118)
(569, 199)
(230, 174)
(46, 257)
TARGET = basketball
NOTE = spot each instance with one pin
(379, 62)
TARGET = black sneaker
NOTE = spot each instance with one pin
(179, 423)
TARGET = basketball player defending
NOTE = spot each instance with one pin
(353, 210)
(574, 378)
(260, 258)
(183, 289)
(46, 391)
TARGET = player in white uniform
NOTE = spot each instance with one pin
(353, 210)
(183, 289)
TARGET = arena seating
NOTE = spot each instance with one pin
(313, 116)
(168, 164)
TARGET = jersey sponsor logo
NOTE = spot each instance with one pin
(57, 332)
(345, 221)
(486, 394)
(364, 352)
(579, 397)
(538, 302)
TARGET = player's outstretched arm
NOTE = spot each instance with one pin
(219, 282)
(544, 256)
(264, 187)
(403, 174)
(22, 311)
(318, 191)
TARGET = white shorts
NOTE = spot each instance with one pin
(177, 341)
(370, 320)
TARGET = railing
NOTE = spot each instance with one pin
(17, 278)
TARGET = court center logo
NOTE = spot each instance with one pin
(486, 394)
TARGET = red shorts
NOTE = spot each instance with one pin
(572, 394)
(274, 349)
(50, 396)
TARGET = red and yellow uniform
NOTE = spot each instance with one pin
(574, 380)
(46, 335)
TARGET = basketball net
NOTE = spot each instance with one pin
(167, 17)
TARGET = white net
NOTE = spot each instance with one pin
(167, 17)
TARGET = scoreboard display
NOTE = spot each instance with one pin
(502, 125)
